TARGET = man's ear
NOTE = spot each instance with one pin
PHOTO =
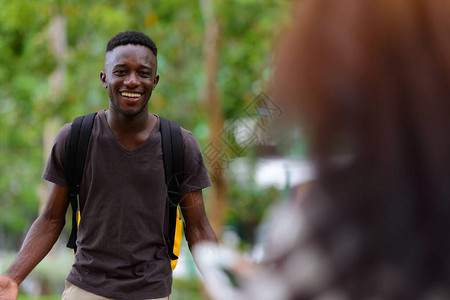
(155, 81)
(103, 79)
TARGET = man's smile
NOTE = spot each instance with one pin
(130, 77)
(130, 94)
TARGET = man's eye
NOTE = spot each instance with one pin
(120, 72)
(145, 74)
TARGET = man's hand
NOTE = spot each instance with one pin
(9, 290)
(39, 240)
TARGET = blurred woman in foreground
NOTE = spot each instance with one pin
(370, 83)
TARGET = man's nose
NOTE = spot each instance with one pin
(132, 80)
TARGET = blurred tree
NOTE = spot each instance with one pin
(244, 47)
(211, 98)
(25, 65)
(58, 47)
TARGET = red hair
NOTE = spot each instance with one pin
(370, 80)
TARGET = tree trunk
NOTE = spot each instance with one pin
(58, 46)
(214, 155)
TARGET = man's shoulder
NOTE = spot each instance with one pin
(64, 133)
(189, 139)
(186, 134)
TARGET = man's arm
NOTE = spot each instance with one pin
(197, 225)
(38, 242)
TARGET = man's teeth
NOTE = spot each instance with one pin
(131, 95)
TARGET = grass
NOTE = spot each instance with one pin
(183, 289)
(51, 297)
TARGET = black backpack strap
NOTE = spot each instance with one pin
(172, 146)
(76, 153)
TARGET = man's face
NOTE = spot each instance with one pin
(130, 77)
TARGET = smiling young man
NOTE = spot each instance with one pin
(121, 244)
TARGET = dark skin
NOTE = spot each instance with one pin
(197, 227)
(39, 241)
(130, 77)
(130, 69)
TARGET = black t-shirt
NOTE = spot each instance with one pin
(122, 253)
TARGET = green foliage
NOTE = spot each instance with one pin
(247, 207)
(248, 31)
(187, 289)
(50, 297)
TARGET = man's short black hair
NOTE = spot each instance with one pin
(131, 37)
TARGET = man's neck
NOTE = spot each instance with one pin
(131, 132)
(132, 125)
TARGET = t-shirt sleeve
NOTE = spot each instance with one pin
(54, 170)
(195, 172)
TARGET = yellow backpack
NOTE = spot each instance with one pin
(172, 146)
